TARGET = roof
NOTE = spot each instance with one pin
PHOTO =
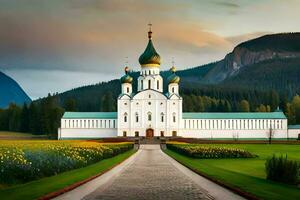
(150, 56)
(234, 115)
(90, 115)
(296, 126)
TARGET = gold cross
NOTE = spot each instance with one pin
(149, 26)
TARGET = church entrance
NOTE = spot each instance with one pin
(149, 133)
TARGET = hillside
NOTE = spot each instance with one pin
(268, 47)
(11, 92)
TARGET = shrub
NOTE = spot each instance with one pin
(282, 170)
(198, 151)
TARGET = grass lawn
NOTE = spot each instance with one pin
(36, 189)
(19, 135)
(248, 174)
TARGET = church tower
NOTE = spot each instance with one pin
(150, 63)
(173, 81)
(126, 82)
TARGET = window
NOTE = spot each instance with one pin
(157, 84)
(124, 134)
(149, 116)
(127, 89)
(136, 117)
(174, 117)
(149, 103)
(142, 85)
(174, 133)
(162, 134)
(173, 89)
(149, 84)
(136, 133)
(162, 117)
(125, 117)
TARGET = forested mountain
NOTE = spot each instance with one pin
(11, 92)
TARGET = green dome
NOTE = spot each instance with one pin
(150, 56)
(126, 79)
(174, 78)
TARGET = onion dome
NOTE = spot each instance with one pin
(173, 78)
(126, 78)
(150, 57)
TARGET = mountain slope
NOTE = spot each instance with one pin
(268, 47)
(11, 92)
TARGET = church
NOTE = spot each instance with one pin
(153, 112)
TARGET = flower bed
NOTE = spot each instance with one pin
(23, 161)
(198, 151)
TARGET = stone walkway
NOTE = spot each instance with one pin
(152, 175)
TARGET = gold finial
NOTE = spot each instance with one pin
(173, 68)
(150, 32)
(126, 69)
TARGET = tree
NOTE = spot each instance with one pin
(295, 106)
(244, 106)
(270, 135)
(70, 104)
(261, 108)
(24, 126)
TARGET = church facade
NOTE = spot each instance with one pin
(153, 112)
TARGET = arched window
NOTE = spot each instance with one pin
(127, 89)
(142, 85)
(173, 89)
(149, 84)
(125, 117)
(157, 84)
(149, 116)
(162, 117)
(136, 117)
(174, 117)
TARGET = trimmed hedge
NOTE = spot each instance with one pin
(198, 151)
(282, 170)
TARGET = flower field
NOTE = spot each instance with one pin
(23, 161)
(205, 152)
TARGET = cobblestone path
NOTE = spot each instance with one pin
(150, 176)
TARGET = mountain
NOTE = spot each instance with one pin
(268, 47)
(11, 92)
(254, 68)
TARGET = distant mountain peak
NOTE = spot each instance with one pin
(11, 92)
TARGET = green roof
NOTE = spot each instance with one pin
(90, 115)
(234, 115)
(296, 126)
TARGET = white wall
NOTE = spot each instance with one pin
(76, 133)
(233, 128)
(87, 128)
(293, 133)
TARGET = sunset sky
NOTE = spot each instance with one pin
(55, 45)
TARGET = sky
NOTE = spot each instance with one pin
(51, 46)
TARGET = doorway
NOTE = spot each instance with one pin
(149, 133)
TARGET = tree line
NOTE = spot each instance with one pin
(43, 116)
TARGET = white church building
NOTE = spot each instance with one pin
(153, 112)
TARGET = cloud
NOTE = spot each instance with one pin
(227, 4)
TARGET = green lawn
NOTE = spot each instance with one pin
(247, 173)
(18, 135)
(36, 189)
